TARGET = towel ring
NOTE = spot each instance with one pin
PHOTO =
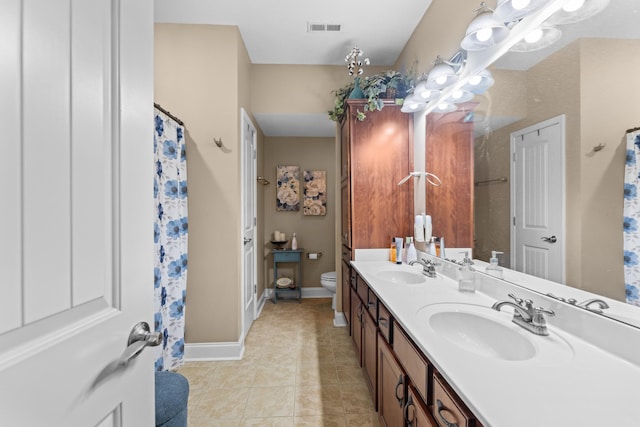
(427, 175)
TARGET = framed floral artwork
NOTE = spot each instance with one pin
(315, 193)
(288, 190)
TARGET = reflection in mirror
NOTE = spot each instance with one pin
(589, 77)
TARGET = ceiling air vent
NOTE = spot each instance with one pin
(317, 27)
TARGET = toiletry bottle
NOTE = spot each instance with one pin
(493, 268)
(466, 275)
(418, 228)
(412, 255)
(442, 251)
(398, 250)
(432, 246)
(437, 247)
(392, 251)
(294, 242)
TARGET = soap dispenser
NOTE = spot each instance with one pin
(466, 275)
(493, 268)
(294, 242)
(432, 246)
(412, 254)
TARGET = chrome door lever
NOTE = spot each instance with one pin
(139, 338)
(551, 239)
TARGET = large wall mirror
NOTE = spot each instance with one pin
(588, 81)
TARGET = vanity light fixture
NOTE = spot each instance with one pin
(441, 75)
(484, 31)
(537, 39)
(445, 107)
(459, 96)
(479, 83)
(514, 10)
(423, 93)
(574, 11)
(413, 103)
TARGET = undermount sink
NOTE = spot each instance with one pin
(401, 277)
(488, 333)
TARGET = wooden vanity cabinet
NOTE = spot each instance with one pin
(415, 412)
(364, 306)
(376, 154)
(391, 386)
(356, 324)
(447, 408)
(346, 286)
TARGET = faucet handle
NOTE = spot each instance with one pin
(541, 310)
(516, 299)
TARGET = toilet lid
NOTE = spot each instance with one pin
(329, 276)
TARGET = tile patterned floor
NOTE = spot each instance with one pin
(298, 370)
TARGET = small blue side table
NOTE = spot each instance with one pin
(287, 256)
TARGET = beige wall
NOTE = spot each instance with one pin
(314, 233)
(571, 82)
(202, 76)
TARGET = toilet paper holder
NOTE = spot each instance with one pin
(314, 255)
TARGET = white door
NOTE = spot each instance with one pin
(249, 138)
(76, 254)
(537, 199)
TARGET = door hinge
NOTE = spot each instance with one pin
(255, 221)
(514, 157)
(255, 288)
(514, 221)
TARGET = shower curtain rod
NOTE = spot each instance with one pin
(180, 122)
(633, 129)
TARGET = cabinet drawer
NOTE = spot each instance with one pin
(286, 256)
(384, 322)
(447, 408)
(411, 360)
(363, 290)
(372, 305)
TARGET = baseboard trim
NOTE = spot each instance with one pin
(213, 351)
(339, 320)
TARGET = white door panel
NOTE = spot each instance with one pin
(249, 263)
(538, 199)
(77, 258)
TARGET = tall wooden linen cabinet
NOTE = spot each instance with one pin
(376, 154)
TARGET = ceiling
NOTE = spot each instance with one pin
(276, 32)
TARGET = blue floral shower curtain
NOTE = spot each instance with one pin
(632, 219)
(170, 238)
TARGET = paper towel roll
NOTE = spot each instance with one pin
(313, 255)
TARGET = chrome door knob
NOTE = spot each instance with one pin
(551, 239)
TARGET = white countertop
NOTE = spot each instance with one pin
(588, 385)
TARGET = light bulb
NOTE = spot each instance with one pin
(533, 36)
(425, 94)
(443, 106)
(484, 34)
(520, 4)
(441, 80)
(573, 5)
(475, 80)
(457, 94)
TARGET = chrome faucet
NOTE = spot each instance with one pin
(428, 267)
(586, 304)
(594, 301)
(526, 315)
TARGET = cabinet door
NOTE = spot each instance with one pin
(391, 387)
(345, 207)
(369, 354)
(381, 155)
(346, 294)
(356, 324)
(415, 413)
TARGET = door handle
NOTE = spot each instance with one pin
(247, 240)
(551, 239)
(139, 338)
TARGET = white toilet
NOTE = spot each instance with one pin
(328, 281)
